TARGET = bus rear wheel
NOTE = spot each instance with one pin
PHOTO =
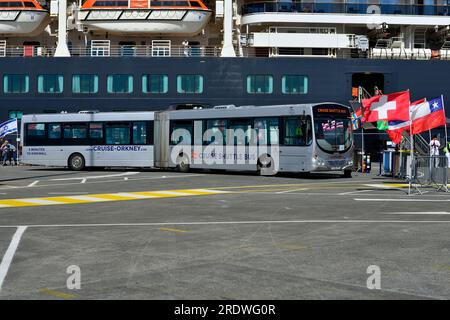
(76, 162)
(183, 164)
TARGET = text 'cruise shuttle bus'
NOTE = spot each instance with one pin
(79, 140)
(268, 139)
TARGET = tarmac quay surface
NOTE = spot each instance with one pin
(135, 234)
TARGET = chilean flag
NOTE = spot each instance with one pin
(427, 115)
(396, 128)
(394, 106)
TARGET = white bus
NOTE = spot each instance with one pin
(269, 139)
(88, 139)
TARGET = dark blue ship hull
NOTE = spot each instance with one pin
(224, 81)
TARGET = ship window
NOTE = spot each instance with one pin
(120, 83)
(190, 83)
(29, 4)
(84, 83)
(10, 4)
(109, 3)
(294, 84)
(15, 114)
(155, 83)
(50, 83)
(16, 83)
(259, 84)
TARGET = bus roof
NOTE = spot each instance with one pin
(97, 116)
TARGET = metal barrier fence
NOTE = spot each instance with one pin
(429, 172)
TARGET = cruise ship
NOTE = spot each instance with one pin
(116, 55)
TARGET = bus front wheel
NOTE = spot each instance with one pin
(347, 173)
(76, 162)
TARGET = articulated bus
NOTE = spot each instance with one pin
(267, 139)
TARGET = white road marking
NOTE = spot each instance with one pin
(207, 223)
(104, 181)
(86, 198)
(98, 177)
(380, 186)
(402, 200)
(83, 181)
(33, 183)
(9, 254)
(419, 213)
(289, 191)
(352, 192)
(39, 201)
(126, 178)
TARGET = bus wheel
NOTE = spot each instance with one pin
(183, 164)
(76, 162)
(265, 165)
(347, 173)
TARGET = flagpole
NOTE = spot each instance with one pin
(443, 107)
(17, 142)
(411, 152)
(362, 130)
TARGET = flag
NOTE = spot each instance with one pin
(382, 125)
(396, 128)
(8, 127)
(356, 119)
(394, 106)
(427, 115)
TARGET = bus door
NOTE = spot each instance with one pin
(296, 144)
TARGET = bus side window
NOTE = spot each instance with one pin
(117, 133)
(54, 131)
(215, 132)
(181, 132)
(35, 134)
(242, 131)
(139, 132)
(297, 131)
(267, 131)
(75, 131)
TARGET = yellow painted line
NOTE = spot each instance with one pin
(172, 230)
(104, 197)
(57, 294)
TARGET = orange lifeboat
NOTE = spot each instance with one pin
(174, 17)
(21, 17)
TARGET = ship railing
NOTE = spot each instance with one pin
(343, 8)
(114, 51)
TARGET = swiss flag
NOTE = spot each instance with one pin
(391, 107)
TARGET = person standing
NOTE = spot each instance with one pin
(447, 153)
(434, 150)
(5, 152)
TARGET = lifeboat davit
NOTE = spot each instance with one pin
(22, 17)
(171, 17)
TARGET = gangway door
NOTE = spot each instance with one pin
(139, 4)
(162, 137)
